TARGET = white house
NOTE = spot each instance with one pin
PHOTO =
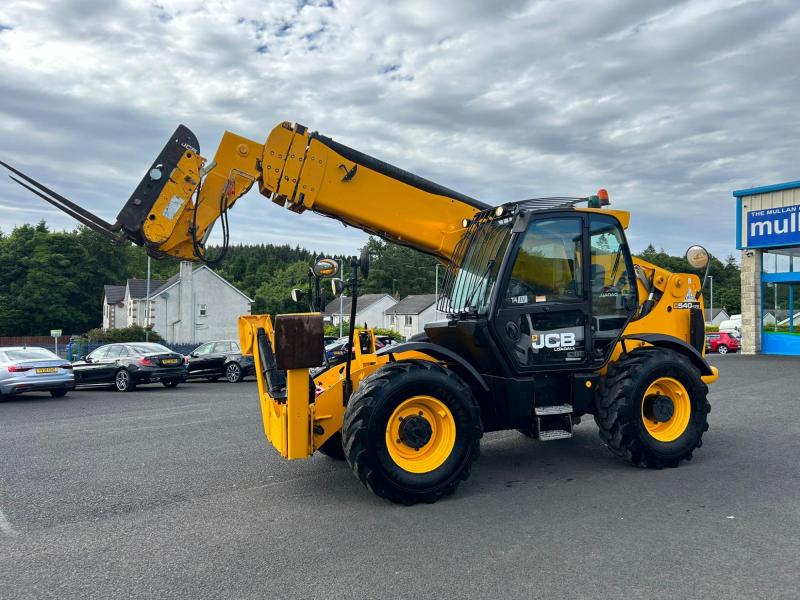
(409, 316)
(719, 315)
(192, 306)
(370, 309)
(114, 314)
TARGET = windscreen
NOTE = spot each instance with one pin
(469, 282)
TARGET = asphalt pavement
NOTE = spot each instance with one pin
(177, 494)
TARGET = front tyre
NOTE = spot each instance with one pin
(412, 431)
(653, 409)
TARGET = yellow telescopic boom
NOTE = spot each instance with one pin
(182, 195)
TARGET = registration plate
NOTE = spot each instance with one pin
(169, 361)
(47, 370)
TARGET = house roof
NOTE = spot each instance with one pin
(114, 293)
(138, 287)
(364, 301)
(168, 283)
(710, 316)
(177, 277)
(412, 305)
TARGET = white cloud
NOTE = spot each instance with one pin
(668, 105)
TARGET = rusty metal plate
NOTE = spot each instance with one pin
(299, 341)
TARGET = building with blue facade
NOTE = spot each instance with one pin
(768, 234)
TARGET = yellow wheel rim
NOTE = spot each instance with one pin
(672, 428)
(424, 422)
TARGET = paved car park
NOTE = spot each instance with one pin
(175, 493)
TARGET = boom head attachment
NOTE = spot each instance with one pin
(158, 200)
(173, 209)
(155, 206)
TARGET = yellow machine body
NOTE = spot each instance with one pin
(172, 212)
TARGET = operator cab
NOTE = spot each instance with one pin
(555, 287)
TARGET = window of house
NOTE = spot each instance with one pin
(409, 320)
(203, 310)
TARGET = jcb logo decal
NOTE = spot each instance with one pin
(553, 340)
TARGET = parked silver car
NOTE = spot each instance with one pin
(31, 369)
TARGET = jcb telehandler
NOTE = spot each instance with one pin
(548, 316)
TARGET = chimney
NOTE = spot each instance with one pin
(186, 270)
(187, 308)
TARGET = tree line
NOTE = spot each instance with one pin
(54, 279)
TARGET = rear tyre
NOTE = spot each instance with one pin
(332, 448)
(722, 349)
(123, 381)
(170, 383)
(58, 393)
(653, 409)
(412, 431)
(233, 372)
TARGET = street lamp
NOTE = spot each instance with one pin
(340, 290)
(147, 305)
(711, 283)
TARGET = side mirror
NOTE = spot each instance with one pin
(87, 359)
(298, 294)
(83, 358)
(325, 267)
(697, 257)
(337, 286)
(363, 263)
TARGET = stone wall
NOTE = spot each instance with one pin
(751, 301)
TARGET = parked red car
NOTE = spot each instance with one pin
(722, 343)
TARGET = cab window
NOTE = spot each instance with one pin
(548, 264)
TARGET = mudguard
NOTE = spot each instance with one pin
(673, 343)
(436, 351)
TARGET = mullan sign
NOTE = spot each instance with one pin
(773, 227)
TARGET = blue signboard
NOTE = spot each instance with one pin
(773, 227)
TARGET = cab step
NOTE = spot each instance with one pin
(554, 434)
(558, 409)
(553, 422)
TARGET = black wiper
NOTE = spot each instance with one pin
(480, 281)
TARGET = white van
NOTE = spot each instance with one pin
(732, 325)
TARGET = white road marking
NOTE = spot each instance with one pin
(5, 526)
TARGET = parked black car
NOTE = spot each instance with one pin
(127, 365)
(222, 358)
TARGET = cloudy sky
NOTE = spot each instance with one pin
(669, 105)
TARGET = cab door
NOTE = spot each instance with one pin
(543, 307)
(612, 284)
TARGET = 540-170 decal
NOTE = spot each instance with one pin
(689, 301)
